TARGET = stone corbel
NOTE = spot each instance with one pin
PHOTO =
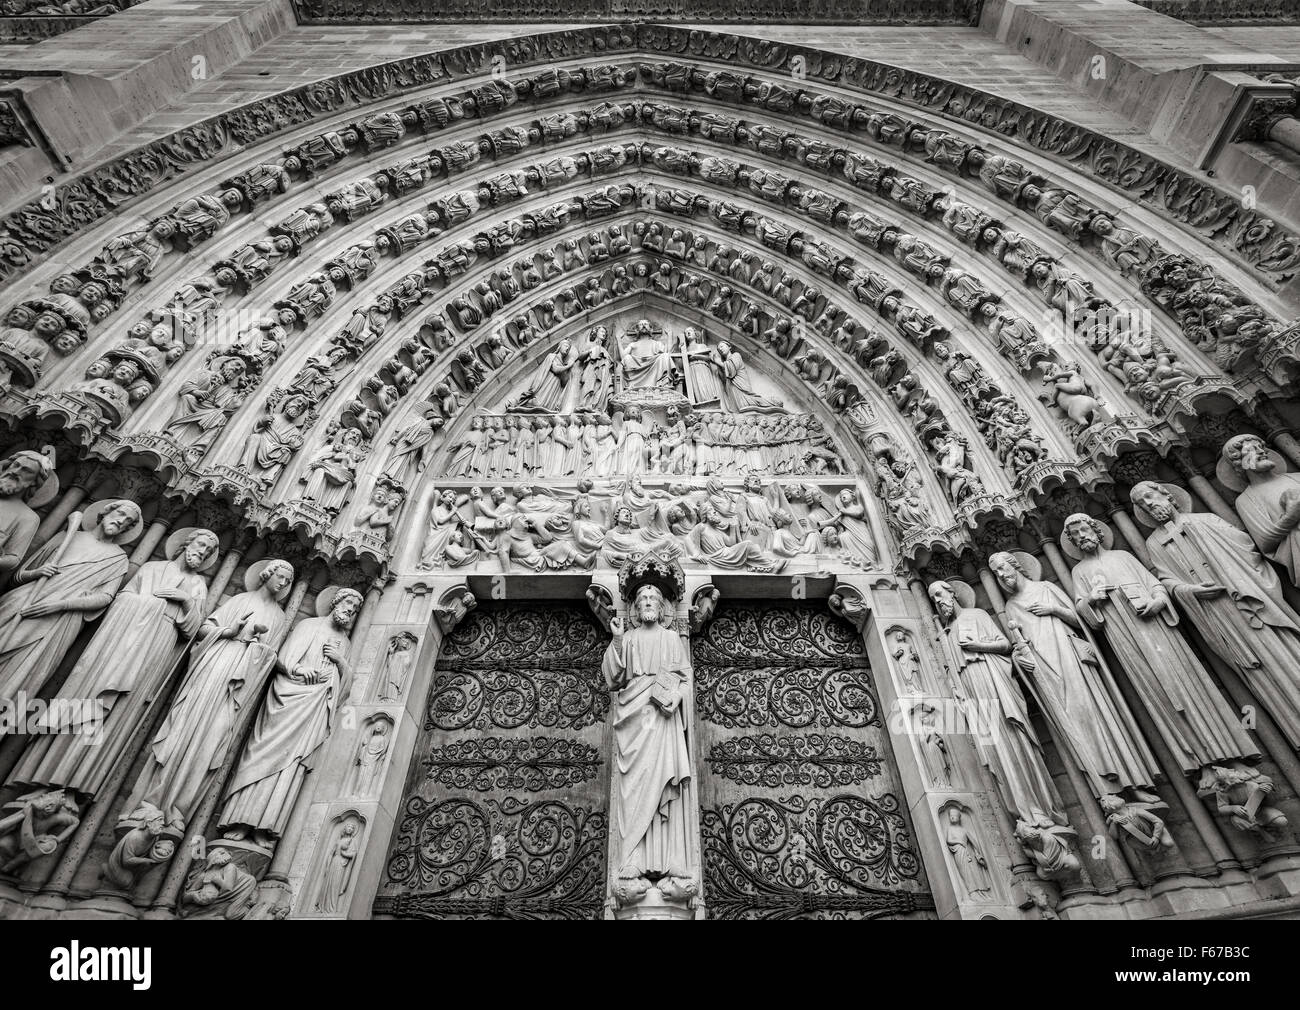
(849, 602)
(703, 602)
(602, 605)
(452, 607)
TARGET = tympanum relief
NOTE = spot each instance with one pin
(678, 450)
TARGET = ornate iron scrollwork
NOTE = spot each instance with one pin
(521, 666)
(471, 842)
(822, 760)
(780, 837)
(782, 666)
(514, 858)
(785, 858)
(530, 764)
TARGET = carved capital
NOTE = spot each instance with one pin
(1181, 460)
(1272, 422)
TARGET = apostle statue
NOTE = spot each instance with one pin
(123, 669)
(995, 707)
(312, 680)
(227, 669)
(1075, 688)
(646, 361)
(66, 583)
(1115, 593)
(27, 481)
(1269, 502)
(653, 795)
(1231, 595)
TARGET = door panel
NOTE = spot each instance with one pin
(505, 812)
(800, 810)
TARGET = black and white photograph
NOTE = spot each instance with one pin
(683, 460)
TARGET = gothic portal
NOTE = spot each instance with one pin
(750, 461)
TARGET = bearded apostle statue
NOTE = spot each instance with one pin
(1231, 595)
(121, 671)
(1113, 592)
(1269, 499)
(653, 797)
(995, 706)
(231, 659)
(66, 583)
(1054, 651)
(27, 481)
(312, 680)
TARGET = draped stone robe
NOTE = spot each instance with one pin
(650, 818)
(31, 647)
(1250, 626)
(194, 739)
(122, 670)
(1079, 694)
(1196, 722)
(293, 723)
(1260, 508)
(999, 719)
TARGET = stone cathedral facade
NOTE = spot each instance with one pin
(699, 460)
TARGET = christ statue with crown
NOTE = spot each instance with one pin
(646, 666)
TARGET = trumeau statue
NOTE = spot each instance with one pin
(230, 661)
(1230, 595)
(27, 481)
(995, 707)
(1075, 688)
(1114, 593)
(647, 667)
(123, 668)
(66, 583)
(313, 679)
(1269, 502)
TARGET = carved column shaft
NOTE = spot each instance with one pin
(1203, 488)
(89, 478)
(227, 568)
(1277, 431)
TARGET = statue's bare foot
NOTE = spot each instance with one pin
(235, 834)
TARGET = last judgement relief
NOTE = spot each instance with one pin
(742, 461)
